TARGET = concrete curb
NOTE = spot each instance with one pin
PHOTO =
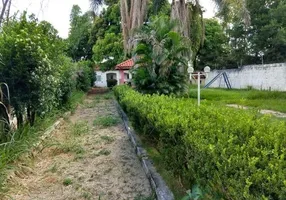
(49, 131)
(157, 183)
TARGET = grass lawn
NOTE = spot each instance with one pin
(271, 100)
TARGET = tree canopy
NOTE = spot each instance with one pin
(265, 40)
(30, 52)
(79, 46)
(215, 49)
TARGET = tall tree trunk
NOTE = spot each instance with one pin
(132, 17)
(4, 6)
(8, 10)
(183, 11)
(20, 120)
(180, 12)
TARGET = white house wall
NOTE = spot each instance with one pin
(262, 77)
(128, 72)
(103, 81)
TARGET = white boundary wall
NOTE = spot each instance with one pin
(262, 77)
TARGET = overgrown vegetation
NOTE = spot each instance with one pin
(44, 83)
(25, 138)
(36, 70)
(231, 154)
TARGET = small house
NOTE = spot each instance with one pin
(121, 73)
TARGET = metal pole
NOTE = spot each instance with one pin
(199, 88)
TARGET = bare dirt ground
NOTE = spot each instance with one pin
(271, 112)
(83, 159)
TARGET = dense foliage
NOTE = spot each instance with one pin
(27, 65)
(96, 37)
(85, 75)
(215, 50)
(108, 49)
(265, 40)
(34, 66)
(232, 154)
(235, 44)
(79, 45)
(161, 55)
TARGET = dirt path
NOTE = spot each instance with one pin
(263, 111)
(88, 157)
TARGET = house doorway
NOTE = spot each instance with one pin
(110, 76)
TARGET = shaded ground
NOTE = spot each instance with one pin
(88, 157)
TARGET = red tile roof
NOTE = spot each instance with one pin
(126, 65)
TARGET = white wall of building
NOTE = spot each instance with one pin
(130, 75)
(101, 78)
(262, 77)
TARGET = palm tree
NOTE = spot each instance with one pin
(160, 57)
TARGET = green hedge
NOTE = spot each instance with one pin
(232, 154)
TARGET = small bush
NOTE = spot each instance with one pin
(67, 181)
(85, 75)
(111, 83)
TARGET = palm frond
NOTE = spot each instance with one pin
(158, 5)
(95, 4)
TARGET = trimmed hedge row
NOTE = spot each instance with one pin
(232, 154)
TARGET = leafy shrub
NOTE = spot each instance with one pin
(30, 53)
(233, 154)
(66, 81)
(85, 75)
(111, 83)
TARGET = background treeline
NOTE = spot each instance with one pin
(223, 42)
(233, 44)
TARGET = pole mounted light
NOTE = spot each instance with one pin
(207, 70)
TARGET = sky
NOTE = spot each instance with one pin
(57, 12)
